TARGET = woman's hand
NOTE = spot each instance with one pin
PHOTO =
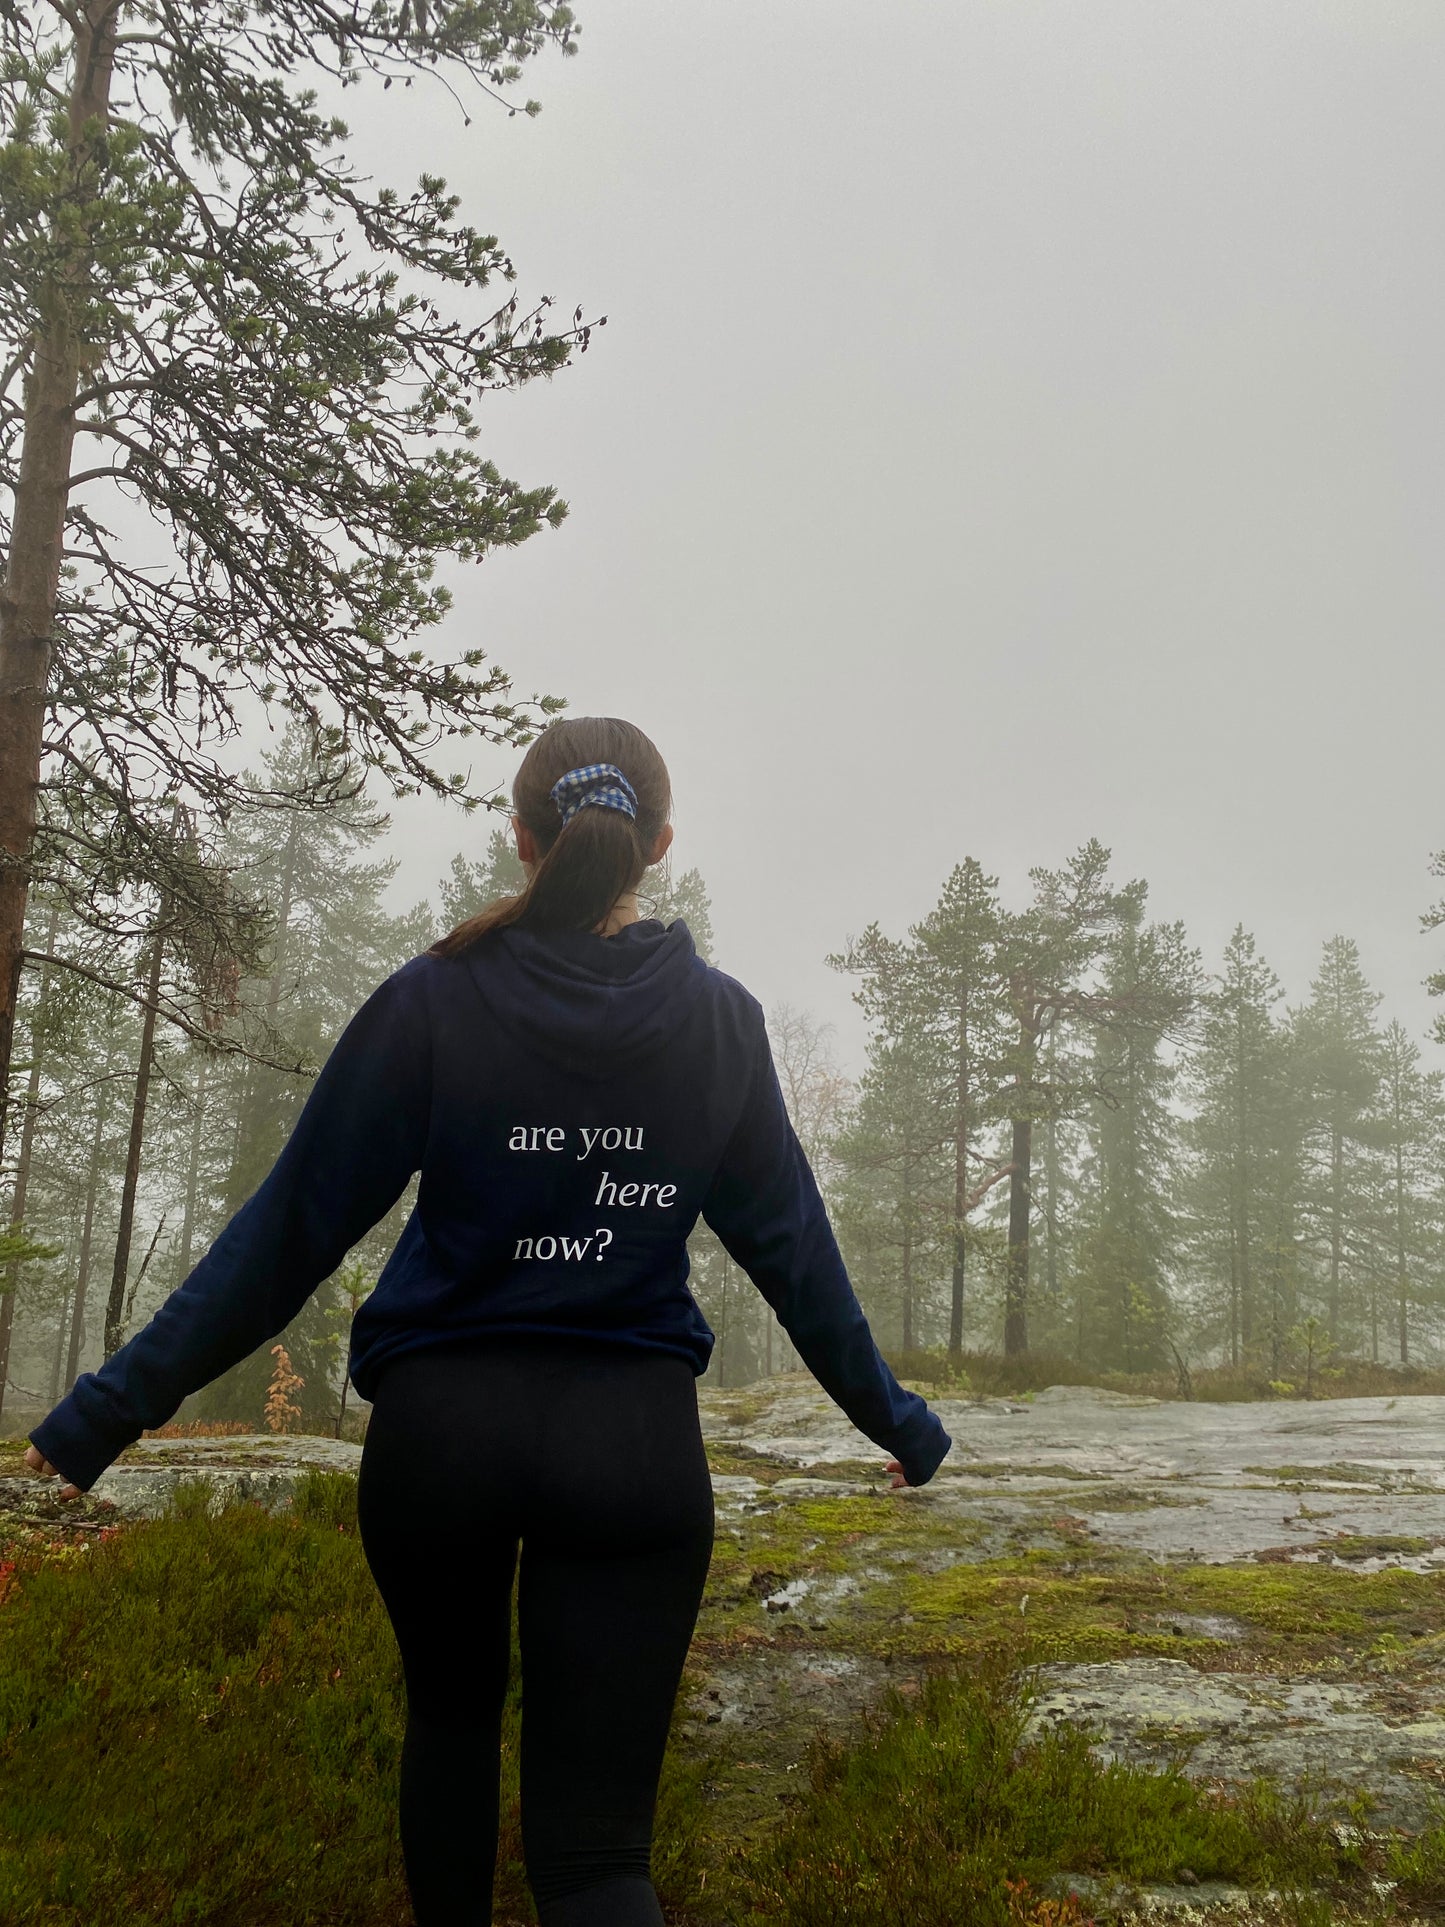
(895, 1467)
(37, 1462)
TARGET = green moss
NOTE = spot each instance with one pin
(1379, 1545)
(1345, 1473)
(237, 1668)
(976, 1469)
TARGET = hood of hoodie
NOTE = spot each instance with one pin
(591, 1004)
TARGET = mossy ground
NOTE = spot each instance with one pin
(201, 1717)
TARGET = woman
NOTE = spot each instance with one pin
(575, 1087)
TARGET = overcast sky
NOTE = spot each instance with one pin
(1015, 423)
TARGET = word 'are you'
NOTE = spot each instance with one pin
(595, 1137)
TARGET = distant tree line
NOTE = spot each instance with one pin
(1068, 1134)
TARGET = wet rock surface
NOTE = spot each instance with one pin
(1232, 1726)
(261, 1466)
(1199, 1481)
(1091, 1484)
(814, 1609)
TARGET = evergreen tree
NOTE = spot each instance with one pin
(333, 942)
(272, 411)
(1129, 1251)
(1410, 1133)
(959, 982)
(472, 884)
(1052, 956)
(1245, 1138)
(1337, 1054)
(892, 1179)
(1433, 919)
(665, 898)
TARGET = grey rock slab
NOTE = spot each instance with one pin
(1232, 1726)
(1109, 1433)
(262, 1466)
(784, 1694)
(1228, 1479)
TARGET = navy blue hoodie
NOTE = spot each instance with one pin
(573, 1103)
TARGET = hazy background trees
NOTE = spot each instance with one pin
(1071, 1133)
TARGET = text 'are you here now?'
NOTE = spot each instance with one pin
(611, 1193)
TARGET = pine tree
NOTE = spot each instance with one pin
(1130, 1247)
(333, 941)
(1245, 1139)
(1337, 1055)
(472, 884)
(271, 410)
(959, 982)
(892, 1177)
(1434, 919)
(1052, 955)
(1410, 1134)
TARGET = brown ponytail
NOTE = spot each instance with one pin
(581, 870)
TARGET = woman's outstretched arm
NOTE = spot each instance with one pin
(765, 1206)
(358, 1140)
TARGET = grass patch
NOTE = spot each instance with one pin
(942, 1813)
(201, 1718)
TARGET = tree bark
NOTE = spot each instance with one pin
(22, 1168)
(82, 1267)
(55, 1363)
(193, 1167)
(30, 591)
(1337, 1187)
(115, 1306)
(960, 1185)
(908, 1291)
(1016, 1277)
(1402, 1272)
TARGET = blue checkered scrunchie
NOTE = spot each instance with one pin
(599, 783)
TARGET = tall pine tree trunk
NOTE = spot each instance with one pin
(115, 1305)
(1234, 1297)
(960, 1185)
(82, 1268)
(193, 1169)
(22, 1168)
(1016, 1276)
(1337, 1186)
(1402, 1272)
(29, 593)
(1020, 1188)
(1242, 1175)
(908, 1290)
(61, 1326)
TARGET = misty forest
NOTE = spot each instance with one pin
(1071, 1136)
(1155, 1226)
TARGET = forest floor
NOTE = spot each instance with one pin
(1234, 1590)
(1241, 1589)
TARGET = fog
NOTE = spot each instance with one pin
(1019, 424)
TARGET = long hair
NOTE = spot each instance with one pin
(581, 870)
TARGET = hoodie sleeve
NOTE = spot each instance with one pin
(765, 1206)
(357, 1141)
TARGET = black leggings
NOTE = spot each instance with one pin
(591, 1456)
